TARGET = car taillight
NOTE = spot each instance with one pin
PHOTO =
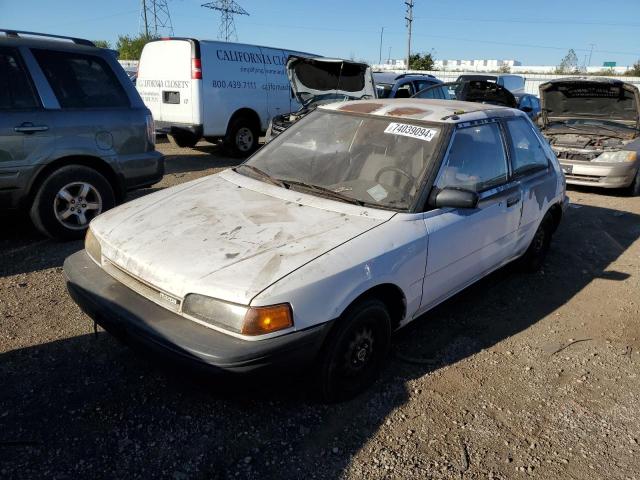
(196, 69)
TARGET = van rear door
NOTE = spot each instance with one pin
(169, 81)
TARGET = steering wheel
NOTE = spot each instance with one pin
(409, 184)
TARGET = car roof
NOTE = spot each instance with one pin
(46, 43)
(428, 110)
(392, 77)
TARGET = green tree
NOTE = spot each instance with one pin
(130, 48)
(504, 68)
(569, 64)
(419, 61)
(101, 43)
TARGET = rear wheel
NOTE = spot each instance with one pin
(183, 140)
(242, 137)
(355, 352)
(68, 200)
(533, 258)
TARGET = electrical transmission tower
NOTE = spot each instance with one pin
(227, 9)
(155, 19)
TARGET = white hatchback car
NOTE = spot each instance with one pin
(352, 223)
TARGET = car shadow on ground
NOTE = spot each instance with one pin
(88, 406)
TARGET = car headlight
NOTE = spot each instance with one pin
(620, 156)
(238, 318)
(92, 246)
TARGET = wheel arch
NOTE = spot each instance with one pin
(247, 113)
(555, 211)
(95, 163)
(388, 293)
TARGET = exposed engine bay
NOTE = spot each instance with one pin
(582, 146)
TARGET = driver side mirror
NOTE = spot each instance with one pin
(453, 198)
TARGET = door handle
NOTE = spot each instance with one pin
(513, 201)
(29, 127)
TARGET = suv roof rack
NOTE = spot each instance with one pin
(18, 33)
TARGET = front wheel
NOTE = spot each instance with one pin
(68, 200)
(355, 352)
(242, 137)
(533, 258)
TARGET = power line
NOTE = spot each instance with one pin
(227, 9)
(155, 19)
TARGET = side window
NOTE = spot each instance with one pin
(529, 154)
(404, 91)
(435, 92)
(16, 92)
(81, 81)
(422, 84)
(476, 160)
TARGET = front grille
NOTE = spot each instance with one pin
(147, 291)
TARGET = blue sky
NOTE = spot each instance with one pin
(534, 32)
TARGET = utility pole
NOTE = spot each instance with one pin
(227, 9)
(409, 19)
(590, 53)
(381, 33)
(155, 17)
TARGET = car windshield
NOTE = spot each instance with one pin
(370, 161)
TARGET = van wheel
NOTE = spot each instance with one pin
(634, 189)
(68, 200)
(183, 140)
(533, 258)
(242, 137)
(355, 351)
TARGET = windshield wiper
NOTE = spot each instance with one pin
(328, 192)
(263, 174)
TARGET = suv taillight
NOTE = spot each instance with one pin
(196, 69)
(151, 130)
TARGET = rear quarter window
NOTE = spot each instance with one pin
(80, 80)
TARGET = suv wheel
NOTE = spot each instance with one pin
(68, 200)
(183, 140)
(533, 258)
(242, 137)
(355, 352)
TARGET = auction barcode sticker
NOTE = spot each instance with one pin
(413, 131)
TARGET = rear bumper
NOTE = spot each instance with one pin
(599, 174)
(141, 170)
(172, 128)
(143, 324)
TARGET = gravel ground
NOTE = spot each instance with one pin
(519, 376)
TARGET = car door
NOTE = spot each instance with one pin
(531, 168)
(465, 244)
(23, 122)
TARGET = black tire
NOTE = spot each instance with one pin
(49, 204)
(355, 352)
(183, 140)
(634, 189)
(533, 258)
(242, 137)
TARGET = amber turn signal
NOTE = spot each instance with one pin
(261, 320)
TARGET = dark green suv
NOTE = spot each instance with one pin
(75, 135)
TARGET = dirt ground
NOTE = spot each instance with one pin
(519, 376)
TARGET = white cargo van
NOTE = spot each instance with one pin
(216, 90)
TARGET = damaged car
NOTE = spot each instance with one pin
(318, 81)
(349, 225)
(593, 126)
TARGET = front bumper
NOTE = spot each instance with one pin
(606, 175)
(144, 324)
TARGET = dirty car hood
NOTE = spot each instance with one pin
(226, 236)
(610, 100)
(311, 78)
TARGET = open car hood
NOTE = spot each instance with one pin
(601, 99)
(314, 78)
(476, 91)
